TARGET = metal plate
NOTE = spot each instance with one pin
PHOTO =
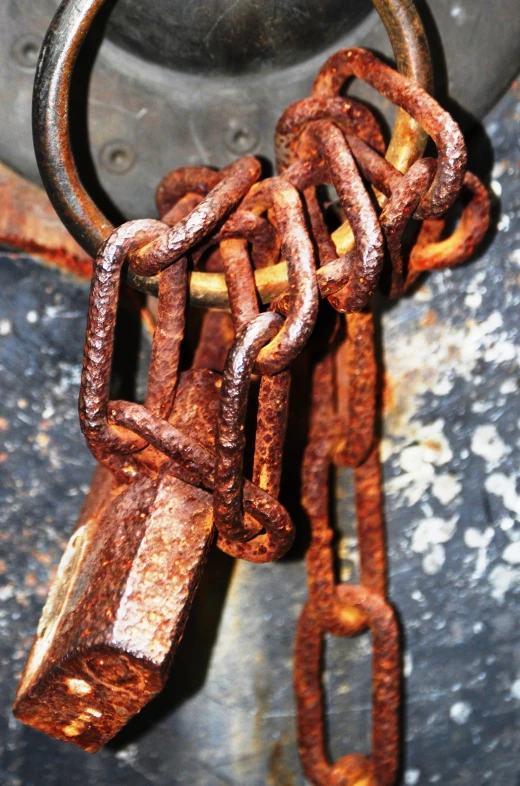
(452, 452)
(145, 119)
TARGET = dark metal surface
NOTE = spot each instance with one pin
(230, 37)
(451, 447)
(145, 120)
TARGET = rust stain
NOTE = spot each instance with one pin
(29, 223)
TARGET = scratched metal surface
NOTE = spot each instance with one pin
(451, 447)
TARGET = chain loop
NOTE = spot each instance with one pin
(408, 95)
(380, 769)
(231, 438)
(200, 222)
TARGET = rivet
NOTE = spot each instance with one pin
(241, 138)
(26, 50)
(117, 157)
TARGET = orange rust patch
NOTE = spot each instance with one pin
(429, 319)
(389, 386)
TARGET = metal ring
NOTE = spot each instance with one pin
(75, 207)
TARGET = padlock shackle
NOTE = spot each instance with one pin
(74, 205)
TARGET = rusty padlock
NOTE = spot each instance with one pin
(120, 600)
(123, 591)
(117, 607)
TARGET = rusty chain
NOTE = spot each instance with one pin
(242, 224)
(233, 228)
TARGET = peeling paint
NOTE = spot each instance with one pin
(515, 689)
(504, 486)
(503, 578)
(486, 442)
(428, 538)
(511, 553)
(460, 712)
(475, 539)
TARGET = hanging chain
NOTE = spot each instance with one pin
(232, 225)
(243, 224)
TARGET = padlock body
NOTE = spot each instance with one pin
(117, 608)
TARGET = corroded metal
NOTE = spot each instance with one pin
(117, 608)
(190, 434)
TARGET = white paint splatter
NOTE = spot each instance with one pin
(434, 560)
(31, 317)
(6, 592)
(418, 461)
(515, 689)
(459, 14)
(502, 352)
(476, 539)
(435, 447)
(511, 553)
(433, 531)
(408, 664)
(504, 486)
(5, 327)
(514, 256)
(411, 777)
(423, 294)
(429, 361)
(504, 223)
(129, 754)
(473, 300)
(442, 387)
(507, 524)
(508, 387)
(486, 442)
(427, 539)
(499, 168)
(496, 188)
(460, 712)
(503, 578)
(480, 407)
(446, 488)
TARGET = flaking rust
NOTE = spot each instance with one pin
(117, 608)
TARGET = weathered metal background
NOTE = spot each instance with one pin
(145, 119)
(451, 447)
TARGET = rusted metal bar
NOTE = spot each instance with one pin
(231, 438)
(168, 335)
(271, 427)
(469, 233)
(355, 371)
(360, 212)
